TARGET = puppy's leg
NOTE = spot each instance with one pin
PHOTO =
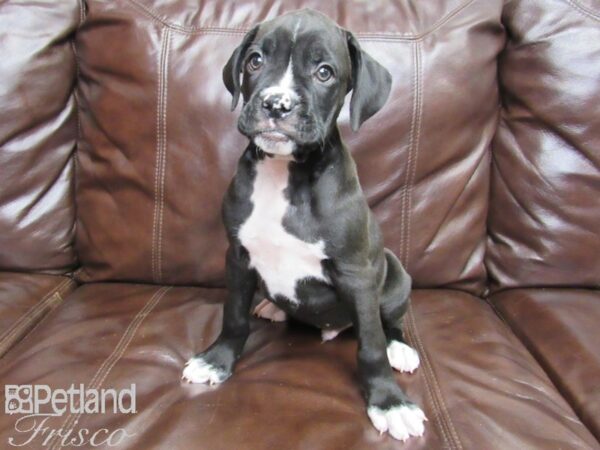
(395, 298)
(387, 406)
(216, 364)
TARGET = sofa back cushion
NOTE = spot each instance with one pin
(159, 143)
(38, 131)
(545, 199)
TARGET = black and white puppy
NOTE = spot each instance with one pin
(296, 216)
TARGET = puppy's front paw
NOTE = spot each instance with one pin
(197, 370)
(402, 357)
(401, 421)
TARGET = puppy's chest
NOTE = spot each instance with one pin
(280, 258)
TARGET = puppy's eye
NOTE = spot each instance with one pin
(324, 73)
(255, 62)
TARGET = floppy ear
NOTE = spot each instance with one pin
(233, 69)
(371, 84)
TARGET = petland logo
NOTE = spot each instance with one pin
(39, 403)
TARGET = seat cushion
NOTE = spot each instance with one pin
(24, 300)
(560, 328)
(478, 385)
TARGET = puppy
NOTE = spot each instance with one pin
(296, 216)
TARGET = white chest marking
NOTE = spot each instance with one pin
(280, 258)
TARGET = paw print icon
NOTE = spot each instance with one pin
(18, 399)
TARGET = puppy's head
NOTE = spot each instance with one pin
(293, 73)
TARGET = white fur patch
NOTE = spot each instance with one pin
(280, 258)
(402, 357)
(199, 371)
(275, 147)
(285, 88)
(401, 422)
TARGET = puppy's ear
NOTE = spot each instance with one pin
(233, 69)
(371, 84)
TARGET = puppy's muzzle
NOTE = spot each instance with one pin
(277, 104)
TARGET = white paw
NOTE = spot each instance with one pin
(401, 422)
(402, 357)
(198, 371)
(267, 310)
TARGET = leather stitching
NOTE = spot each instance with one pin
(108, 364)
(30, 332)
(25, 319)
(413, 149)
(164, 150)
(412, 166)
(365, 36)
(81, 12)
(583, 10)
(158, 157)
(405, 182)
(437, 416)
(32, 313)
(159, 173)
(440, 408)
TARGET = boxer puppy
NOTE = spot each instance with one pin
(296, 215)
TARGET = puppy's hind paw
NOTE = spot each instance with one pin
(401, 422)
(402, 357)
(267, 310)
(199, 371)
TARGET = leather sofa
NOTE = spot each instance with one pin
(117, 143)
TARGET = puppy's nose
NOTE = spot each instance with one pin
(277, 106)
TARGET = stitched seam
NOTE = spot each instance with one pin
(164, 151)
(71, 420)
(18, 325)
(26, 327)
(583, 10)
(405, 181)
(157, 163)
(404, 189)
(33, 328)
(444, 416)
(35, 318)
(430, 395)
(366, 36)
(158, 171)
(109, 363)
(81, 12)
(412, 168)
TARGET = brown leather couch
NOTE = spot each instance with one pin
(117, 143)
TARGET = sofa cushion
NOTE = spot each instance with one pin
(560, 328)
(160, 144)
(38, 130)
(478, 385)
(543, 221)
(24, 301)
